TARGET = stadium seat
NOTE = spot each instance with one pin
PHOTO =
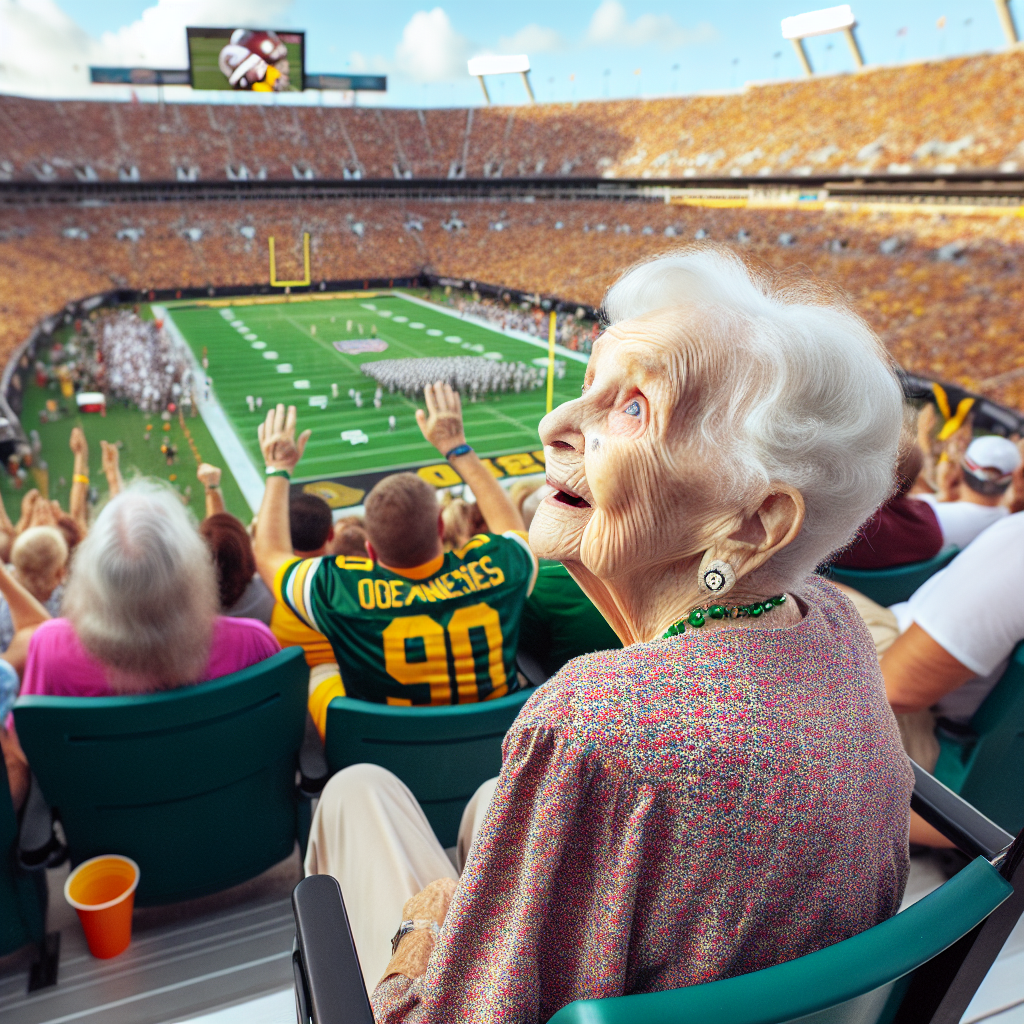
(22, 894)
(985, 762)
(890, 586)
(923, 965)
(197, 784)
(441, 753)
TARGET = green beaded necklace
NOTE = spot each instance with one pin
(699, 616)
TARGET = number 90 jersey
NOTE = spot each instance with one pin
(443, 633)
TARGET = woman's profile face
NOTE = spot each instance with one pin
(625, 494)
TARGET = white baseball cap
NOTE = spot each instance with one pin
(992, 452)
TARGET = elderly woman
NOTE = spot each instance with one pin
(726, 792)
(141, 607)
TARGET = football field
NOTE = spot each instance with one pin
(294, 351)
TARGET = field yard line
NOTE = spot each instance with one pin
(509, 332)
(250, 481)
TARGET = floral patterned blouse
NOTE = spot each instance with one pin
(673, 813)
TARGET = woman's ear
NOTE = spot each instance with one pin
(764, 532)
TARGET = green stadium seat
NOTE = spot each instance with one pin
(890, 586)
(22, 894)
(197, 784)
(985, 763)
(861, 980)
(441, 753)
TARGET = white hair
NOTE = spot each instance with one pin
(803, 393)
(143, 591)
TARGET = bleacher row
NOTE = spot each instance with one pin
(944, 116)
(942, 289)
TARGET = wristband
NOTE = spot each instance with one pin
(78, 478)
(213, 487)
(462, 449)
(278, 472)
(412, 926)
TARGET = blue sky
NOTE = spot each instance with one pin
(579, 50)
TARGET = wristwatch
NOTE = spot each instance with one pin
(412, 926)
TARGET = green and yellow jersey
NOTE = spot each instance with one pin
(442, 633)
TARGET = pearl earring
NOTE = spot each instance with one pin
(716, 578)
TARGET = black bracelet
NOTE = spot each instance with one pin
(462, 449)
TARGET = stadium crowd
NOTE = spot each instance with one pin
(941, 116)
(942, 288)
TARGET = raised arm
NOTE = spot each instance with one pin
(78, 503)
(281, 453)
(442, 427)
(918, 671)
(209, 477)
(112, 467)
(26, 610)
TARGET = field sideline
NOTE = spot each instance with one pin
(284, 352)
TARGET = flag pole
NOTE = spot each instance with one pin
(551, 361)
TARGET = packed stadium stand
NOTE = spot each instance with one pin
(943, 289)
(942, 116)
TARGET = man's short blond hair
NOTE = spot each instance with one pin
(401, 520)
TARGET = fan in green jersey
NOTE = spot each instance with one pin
(409, 624)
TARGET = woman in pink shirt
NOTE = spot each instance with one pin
(141, 608)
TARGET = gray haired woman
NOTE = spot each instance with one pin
(141, 607)
(727, 791)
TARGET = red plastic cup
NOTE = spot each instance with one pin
(102, 891)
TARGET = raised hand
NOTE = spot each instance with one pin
(209, 476)
(278, 443)
(441, 424)
(77, 441)
(28, 504)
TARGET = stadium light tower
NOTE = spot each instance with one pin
(1006, 20)
(820, 23)
(492, 64)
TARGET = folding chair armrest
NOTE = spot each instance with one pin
(327, 972)
(313, 768)
(963, 825)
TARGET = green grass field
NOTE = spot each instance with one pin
(249, 359)
(138, 456)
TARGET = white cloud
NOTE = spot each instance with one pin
(610, 26)
(43, 52)
(157, 38)
(532, 38)
(431, 50)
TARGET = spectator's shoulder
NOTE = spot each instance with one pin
(234, 630)
(591, 696)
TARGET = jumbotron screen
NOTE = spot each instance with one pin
(246, 60)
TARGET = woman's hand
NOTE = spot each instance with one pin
(430, 904)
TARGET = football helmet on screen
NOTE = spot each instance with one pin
(256, 60)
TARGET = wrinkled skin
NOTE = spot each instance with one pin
(635, 507)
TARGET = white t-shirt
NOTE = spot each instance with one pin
(974, 609)
(962, 521)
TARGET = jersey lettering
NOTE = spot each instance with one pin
(447, 638)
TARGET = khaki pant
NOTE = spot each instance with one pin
(917, 728)
(372, 836)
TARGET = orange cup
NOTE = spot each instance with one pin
(102, 891)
